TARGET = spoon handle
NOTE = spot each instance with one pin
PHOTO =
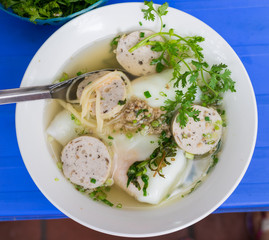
(24, 94)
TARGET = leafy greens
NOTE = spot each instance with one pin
(46, 9)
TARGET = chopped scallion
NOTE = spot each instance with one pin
(163, 94)
(64, 77)
(147, 94)
(119, 205)
(189, 155)
(60, 165)
(93, 180)
(155, 123)
(129, 135)
(140, 111)
(122, 102)
(207, 119)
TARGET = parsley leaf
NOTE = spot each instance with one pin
(162, 10)
(148, 15)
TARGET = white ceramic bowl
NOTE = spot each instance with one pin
(237, 149)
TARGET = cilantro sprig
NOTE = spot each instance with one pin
(149, 13)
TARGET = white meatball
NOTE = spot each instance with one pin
(137, 62)
(202, 136)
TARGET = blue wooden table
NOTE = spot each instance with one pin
(244, 24)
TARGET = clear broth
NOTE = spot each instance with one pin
(95, 57)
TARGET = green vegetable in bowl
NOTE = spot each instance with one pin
(46, 9)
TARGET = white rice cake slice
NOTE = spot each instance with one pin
(62, 128)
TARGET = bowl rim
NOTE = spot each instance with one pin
(228, 193)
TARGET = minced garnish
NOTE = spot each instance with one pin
(147, 94)
(99, 195)
(163, 94)
(109, 137)
(64, 77)
(122, 102)
(129, 135)
(60, 165)
(93, 180)
(77, 122)
(119, 205)
(155, 123)
(189, 155)
(140, 111)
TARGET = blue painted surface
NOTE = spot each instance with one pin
(244, 25)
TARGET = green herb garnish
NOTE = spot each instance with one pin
(186, 109)
(64, 77)
(109, 137)
(147, 94)
(119, 205)
(98, 194)
(163, 94)
(93, 180)
(115, 41)
(46, 9)
(77, 122)
(155, 124)
(129, 135)
(60, 165)
(122, 102)
(80, 188)
(141, 111)
(142, 34)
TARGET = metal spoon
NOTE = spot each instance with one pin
(52, 91)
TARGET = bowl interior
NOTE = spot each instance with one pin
(237, 148)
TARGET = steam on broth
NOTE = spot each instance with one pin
(149, 140)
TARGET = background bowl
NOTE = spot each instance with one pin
(55, 21)
(31, 122)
